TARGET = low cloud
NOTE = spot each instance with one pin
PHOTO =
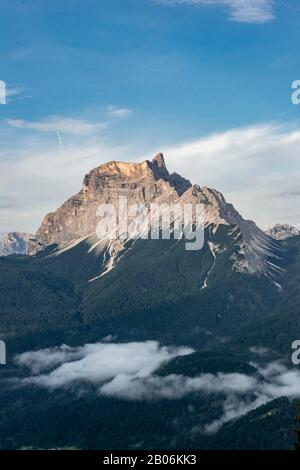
(175, 386)
(128, 371)
(273, 381)
(241, 11)
(96, 363)
(38, 361)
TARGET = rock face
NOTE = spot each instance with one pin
(14, 243)
(282, 231)
(146, 182)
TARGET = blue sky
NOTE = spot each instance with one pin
(92, 80)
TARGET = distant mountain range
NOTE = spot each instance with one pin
(236, 302)
(282, 231)
(14, 243)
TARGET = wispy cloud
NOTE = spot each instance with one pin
(273, 381)
(13, 91)
(115, 112)
(127, 371)
(242, 11)
(61, 124)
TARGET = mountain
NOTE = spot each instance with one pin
(282, 231)
(14, 243)
(154, 287)
(146, 183)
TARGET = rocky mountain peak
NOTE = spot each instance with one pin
(14, 243)
(158, 166)
(159, 161)
(282, 231)
(117, 171)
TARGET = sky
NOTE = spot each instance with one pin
(207, 82)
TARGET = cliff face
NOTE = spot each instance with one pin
(144, 182)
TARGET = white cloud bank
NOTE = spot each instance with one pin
(97, 363)
(127, 371)
(242, 11)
